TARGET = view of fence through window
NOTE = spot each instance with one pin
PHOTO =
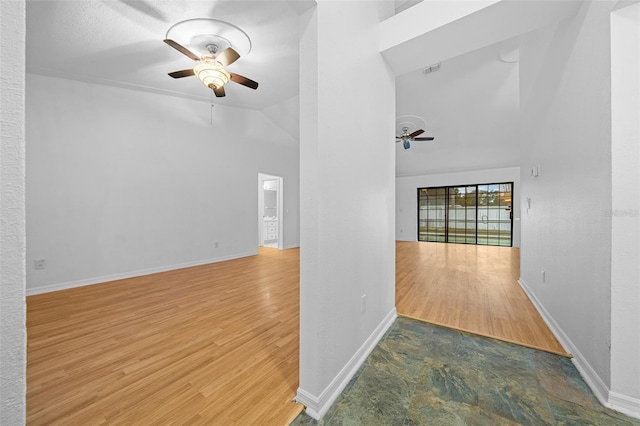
(469, 214)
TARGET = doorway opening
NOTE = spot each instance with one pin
(270, 212)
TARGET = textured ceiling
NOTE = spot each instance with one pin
(470, 105)
(119, 42)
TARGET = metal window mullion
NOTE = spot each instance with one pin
(476, 215)
(446, 214)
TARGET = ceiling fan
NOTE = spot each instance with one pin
(210, 67)
(406, 138)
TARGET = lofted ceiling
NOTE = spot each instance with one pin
(470, 105)
(119, 42)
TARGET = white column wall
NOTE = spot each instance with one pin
(625, 207)
(566, 130)
(13, 339)
(347, 163)
(123, 183)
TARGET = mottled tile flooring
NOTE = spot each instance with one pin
(422, 374)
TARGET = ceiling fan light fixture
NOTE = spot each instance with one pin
(406, 144)
(211, 52)
(211, 74)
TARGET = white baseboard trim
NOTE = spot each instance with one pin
(589, 375)
(625, 404)
(131, 274)
(564, 340)
(619, 402)
(317, 406)
(291, 246)
(593, 380)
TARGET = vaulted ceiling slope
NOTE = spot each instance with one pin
(119, 43)
(470, 105)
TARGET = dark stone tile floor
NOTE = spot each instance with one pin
(422, 374)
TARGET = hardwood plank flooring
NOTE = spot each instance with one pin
(218, 344)
(470, 288)
(208, 345)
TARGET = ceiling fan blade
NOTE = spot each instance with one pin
(227, 56)
(416, 133)
(181, 49)
(237, 78)
(182, 73)
(219, 92)
(428, 138)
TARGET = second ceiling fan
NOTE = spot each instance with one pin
(406, 138)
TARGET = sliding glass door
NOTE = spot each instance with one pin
(462, 214)
(432, 207)
(494, 214)
(469, 214)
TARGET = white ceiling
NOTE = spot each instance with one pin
(119, 42)
(471, 107)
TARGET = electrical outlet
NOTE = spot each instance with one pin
(544, 276)
(215, 244)
(363, 303)
(40, 263)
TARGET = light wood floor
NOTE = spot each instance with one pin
(209, 345)
(471, 288)
(218, 344)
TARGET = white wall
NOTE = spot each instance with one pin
(347, 195)
(565, 96)
(407, 198)
(625, 207)
(13, 339)
(471, 106)
(440, 30)
(123, 183)
(286, 115)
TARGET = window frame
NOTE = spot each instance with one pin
(447, 208)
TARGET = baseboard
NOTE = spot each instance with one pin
(131, 274)
(551, 323)
(584, 368)
(291, 246)
(625, 404)
(593, 380)
(317, 406)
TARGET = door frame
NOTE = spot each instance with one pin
(280, 194)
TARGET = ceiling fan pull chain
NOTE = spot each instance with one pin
(211, 110)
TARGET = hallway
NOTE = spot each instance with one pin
(470, 288)
(422, 374)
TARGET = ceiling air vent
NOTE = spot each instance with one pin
(431, 69)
